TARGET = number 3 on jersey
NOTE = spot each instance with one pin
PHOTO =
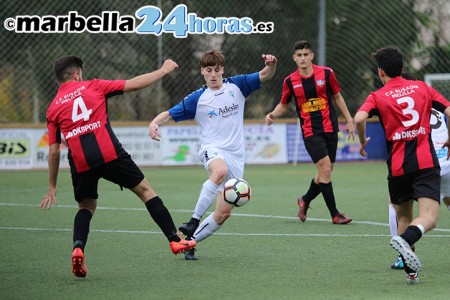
(409, 111)
(78, 105)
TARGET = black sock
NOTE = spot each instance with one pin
(81, 228)
(327, 191)
(195, 221)
(162, 217)
(313, 192)
(412, 234)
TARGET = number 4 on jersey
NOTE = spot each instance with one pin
(78, 105)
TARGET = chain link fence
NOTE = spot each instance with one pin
(343, 33)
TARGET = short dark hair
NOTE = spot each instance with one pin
(211, 58)
(390, 60)
(65, 66)
(303, 44)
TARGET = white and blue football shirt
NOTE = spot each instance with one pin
(439, 136)
(219, 113)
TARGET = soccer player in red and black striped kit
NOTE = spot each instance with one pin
(404, 109)
(314, 90)
(78, 113)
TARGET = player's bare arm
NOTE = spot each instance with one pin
(145, 80)
(159, 120)
(279, 110)
(269, 70)
(360, 121)
(53, 167)
(349, 127)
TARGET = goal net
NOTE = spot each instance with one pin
(440, 82)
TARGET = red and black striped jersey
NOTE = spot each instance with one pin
(79, 113)
(404, 109)
(313, 97)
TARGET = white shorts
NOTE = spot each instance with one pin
(445, 186)
(235, 164)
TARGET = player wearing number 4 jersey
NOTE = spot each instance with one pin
(404, 108)
(78, 113)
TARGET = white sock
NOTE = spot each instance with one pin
(206, 199)
(393, 220)
(206, 228)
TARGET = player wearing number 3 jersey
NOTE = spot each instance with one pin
(78, 113)
(399, 104)
(404, 108)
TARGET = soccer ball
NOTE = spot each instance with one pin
(237, 192)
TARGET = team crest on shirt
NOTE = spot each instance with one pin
(320, 82)
(231, 94)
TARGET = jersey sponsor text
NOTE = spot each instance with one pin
(83, 129)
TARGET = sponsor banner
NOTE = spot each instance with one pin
(276, 144)
(296, 150)
(136, 141)
(264, 144)
(26, 149)
(16, 148)
(346, 150)
(180, 145)
(40, 150)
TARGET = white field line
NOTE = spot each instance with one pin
(217, 233)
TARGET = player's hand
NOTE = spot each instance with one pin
(269, 59)
(350, 130)
(169, 66)
(269, 118)
(447, 144)
(49, 199)
(363, 145)
(153, 131)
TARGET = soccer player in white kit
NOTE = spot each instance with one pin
(218, 108)
(439, 135)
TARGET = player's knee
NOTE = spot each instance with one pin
(325, 177)
(325, 172)
(90, 208)
(219, 176)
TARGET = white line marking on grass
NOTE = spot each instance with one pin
(218, 233)
(234, 214)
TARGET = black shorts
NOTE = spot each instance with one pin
(122, 171)
(423, 183)
(321, 145)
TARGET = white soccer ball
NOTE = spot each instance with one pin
(237, 192)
